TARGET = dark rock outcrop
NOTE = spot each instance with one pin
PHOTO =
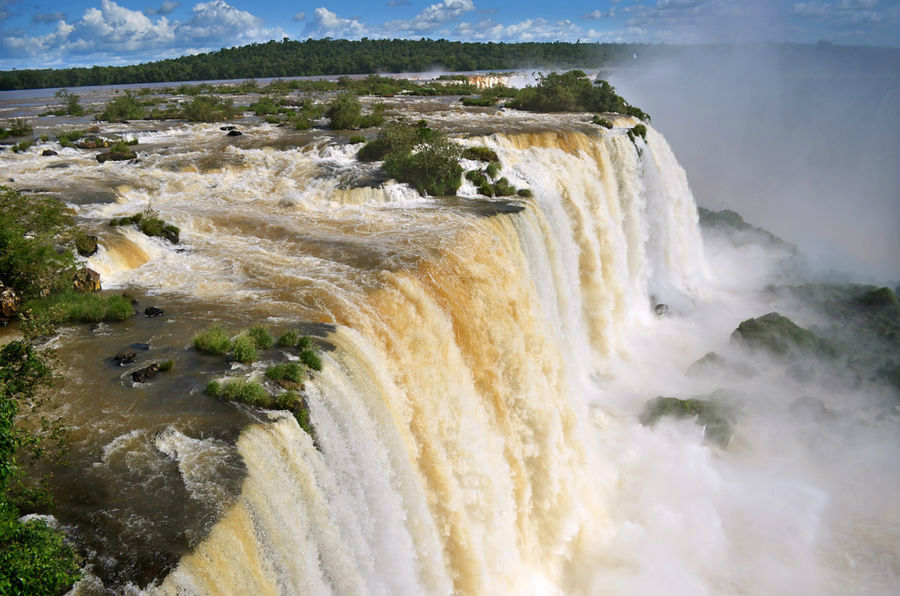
(234, 133)
(780, 336)
(145, 374)
(126, 356)
(86, 280)
(711, 415)
(116, 155)
(49, 153)
(152, 311)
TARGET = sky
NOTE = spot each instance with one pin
(59, 33)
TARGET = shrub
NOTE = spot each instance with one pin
(476, 177)
(264, 106)
(43, 315)
(243, 349)
(31, 265)
(85, 244)
(638, 130)
(478, 101)
(19, 127)
(213, 389)
(166, 365)
(290, 371)
(480, 154)
(71, 105)
(604, 122)
(22, 146)
(493, 169)
(260, 337)
(525, 192)
(638, 113)
(357, 139)
(204, 108)
(311, 359)
(434, 168)
(304, 343)
(345, 112)
(244, 391)
(374, 150)
(502, 188)
(289, 400)
(121, 108)
(67, 138)
(289, 339)
(213, 340)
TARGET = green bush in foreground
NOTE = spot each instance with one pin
(290, 371)
(480, 154)
(311, 359)
(243, 349)
(213, 340)
(245, 392)
(260, 337)
(345, 112)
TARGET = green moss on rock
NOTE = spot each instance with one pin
(711, 415)
(778, 335)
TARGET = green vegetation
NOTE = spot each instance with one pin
(311, 359)
(19, 127)
(482, 102)
(71, 105)
(239, 390)
(67, 138)
(290, 371)
(31, 227)
(264, 106)
(120, 151)
(710, 414)
(729, 221)
(150, 224)
(571, 92)
(289, 339)
(208, 109)
(480, 154)
(34, 558)
(22, 146)
(525, 192)
(243, 349)
(356, 139)
(166, 365)
(336, 56)
(638, 130)
(261, 338)
(780, 336)
(43, 314)
(122, 108)
(85, 244)
(345, 113)
(213, 340)
(604, 122)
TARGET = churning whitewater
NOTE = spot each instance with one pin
(476, 422)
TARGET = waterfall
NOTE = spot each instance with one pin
(454, 450)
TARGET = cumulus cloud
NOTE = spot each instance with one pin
(168, 7)
(597, 15)
(328, 24)
(432, 17)
(527, 30)
(48, 17)
(113, 33)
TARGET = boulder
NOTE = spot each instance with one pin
(120, 155)
(126, 356)
(49, 153)
(780, 336)
(234, 133)
(86, 244)
(152, 311)
(86, 280)
(9, 302)
(712, 416)
(661, 310)
(145, 374)
(227, 127)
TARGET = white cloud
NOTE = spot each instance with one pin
(168, 7)
(52, 17)
(300, 17)
(327, 24)
(221, 21)
(432, 17)
(844, 12)
(597, 15)
(527, 30)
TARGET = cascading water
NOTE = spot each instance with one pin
(477, 420)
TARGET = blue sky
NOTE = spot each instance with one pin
(57, 33)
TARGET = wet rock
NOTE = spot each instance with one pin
(9, 302)
(712, 416)
(126, 356)
(140, 346)
(227, 127)
(145, 374)
(118, 155)
(3, 323)
(86, 244)
(86, 280)
(49, 153)
(152, 311)
(234, 133)
(780, 336)
(661, 310)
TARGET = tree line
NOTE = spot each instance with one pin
(331, 57)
